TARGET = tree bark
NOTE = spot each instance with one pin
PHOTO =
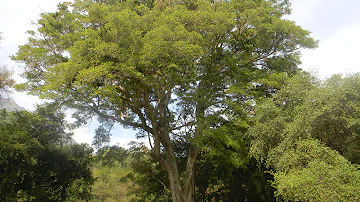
(181, 192)
(173, 171)
(189, 183)
(185, 193)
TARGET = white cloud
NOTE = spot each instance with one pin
(83, 135)
(124, 141)
(336, 54)
(336, 24)
(304, 10)
(27, 101)
(17, 17)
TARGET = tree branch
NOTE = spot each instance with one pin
(95, 109)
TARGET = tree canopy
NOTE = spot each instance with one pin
(172, 70)
(309, 134)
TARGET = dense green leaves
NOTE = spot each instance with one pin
(111, 165)
(112, 52)
(309, 134)
(314, 172)
(38, 161)
(216, 179)
(110, 155)
(150, 181)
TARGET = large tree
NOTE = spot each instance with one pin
(167, 69)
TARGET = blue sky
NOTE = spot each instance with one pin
(335, 23)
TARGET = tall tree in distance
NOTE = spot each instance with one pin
(171, 70)
(5, 78)
(5, 81)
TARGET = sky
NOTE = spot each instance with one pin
(336, 24)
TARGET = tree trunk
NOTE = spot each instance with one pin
(175, 185)
(180, 193)
(173, 171)
(189, 184)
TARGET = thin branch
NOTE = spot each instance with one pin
(151, 146)
(95, 109)
(183, 125)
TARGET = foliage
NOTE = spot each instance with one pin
(110, 155)
(216, 179)
(224, 172)
(289, 128)
(149, 179)
(37, 161)
(314, 172)
(172, 70)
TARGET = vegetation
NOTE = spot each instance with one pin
(37, 162)
(213, 85)
(309, 134)
(109, 169)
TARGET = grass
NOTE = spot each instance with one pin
(107, 187)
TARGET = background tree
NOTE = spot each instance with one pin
(310, 171)
(166, 69)
(110, 155)
(5, 79)
(305, 131)
(37, 162)
(111, 165)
